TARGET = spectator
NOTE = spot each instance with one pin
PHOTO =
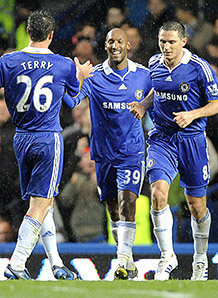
(212, 130)
(198, 31)
(158, 13)
(137, 52)
(21, 36)
(78, 132)
(84, 30)
(7, 234)
(84, 51)
(212, 52)
(9, 181)
(79, 199)
(6, 24)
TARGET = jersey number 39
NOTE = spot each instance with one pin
(135, 176)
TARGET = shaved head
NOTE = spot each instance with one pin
(116, 31)
(117, 45)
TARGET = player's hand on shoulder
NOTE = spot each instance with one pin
(136, 109)
(85, 70)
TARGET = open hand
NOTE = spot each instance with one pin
(84, 71)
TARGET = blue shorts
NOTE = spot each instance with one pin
(185, 153)
(113, 179)
(40, 160)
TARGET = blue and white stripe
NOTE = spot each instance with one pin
(127, 224)
(205, 67)
(98, 67)
(33, 221)
(55, 167)
(142, 175)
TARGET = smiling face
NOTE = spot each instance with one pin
(117, 46)
(171, 44)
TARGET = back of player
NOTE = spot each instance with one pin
(35, 81)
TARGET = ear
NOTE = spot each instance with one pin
(27, 30)
(185, 40)
(128, 45)
(50, 36)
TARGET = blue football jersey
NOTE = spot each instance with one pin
(35, 81)
(190, 85)
(116, 136)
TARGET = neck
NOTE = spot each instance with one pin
(119, 66)
(171, 63)
(38, 44)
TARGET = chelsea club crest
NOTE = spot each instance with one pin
(138, 94)
(184, 87)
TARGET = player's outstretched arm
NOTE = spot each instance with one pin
(138, 108)
(84, 71)
(183, 119)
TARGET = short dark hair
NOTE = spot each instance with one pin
(40, 24)
(174, 26)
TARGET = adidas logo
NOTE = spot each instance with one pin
(168, 79)
(122, 87)
(49, 233)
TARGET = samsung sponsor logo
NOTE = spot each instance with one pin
(115, 105)
(172, 96)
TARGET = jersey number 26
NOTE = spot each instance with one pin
(39, 90)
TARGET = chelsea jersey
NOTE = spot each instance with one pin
(188, 86)
(35, 81)
(116, 136)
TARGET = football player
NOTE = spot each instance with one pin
(117, 141)
(184, 94)
(35, 80)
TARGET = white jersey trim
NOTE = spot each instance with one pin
(108, 70)
(204, 66)
(34, 50)
(55, 171)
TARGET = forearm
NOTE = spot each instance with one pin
(138, 108)
(148, 100)
(208, 110)
(183, 119)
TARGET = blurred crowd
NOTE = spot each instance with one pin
(81, 30)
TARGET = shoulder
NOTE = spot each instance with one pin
(140, 67)
(62, 58)
(135, 68)
(154, 60)
(10, 55)
(203, 66)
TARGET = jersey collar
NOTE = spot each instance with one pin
(34, 50)
(108, 70)
(185, 59)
